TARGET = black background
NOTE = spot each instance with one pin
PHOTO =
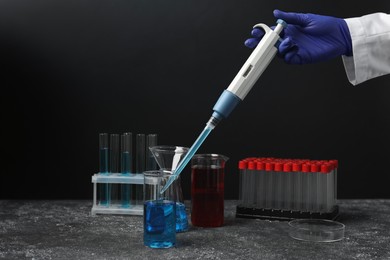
(72, 69)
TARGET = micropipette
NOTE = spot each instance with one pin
(250, 72)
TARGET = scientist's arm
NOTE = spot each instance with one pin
(371, 47)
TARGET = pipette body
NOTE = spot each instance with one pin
(249, 73)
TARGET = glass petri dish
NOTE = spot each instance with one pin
(316, 230)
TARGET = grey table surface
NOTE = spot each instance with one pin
(66, 230)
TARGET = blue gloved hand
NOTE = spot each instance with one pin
(309, 38)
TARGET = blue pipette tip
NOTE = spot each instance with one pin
(206, 131)
(169, 182)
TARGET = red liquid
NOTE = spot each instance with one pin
(207, 195)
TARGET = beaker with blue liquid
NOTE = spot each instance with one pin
(168, 158)
(159, 211)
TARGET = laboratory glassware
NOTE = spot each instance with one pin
(168, 158)
(103, 188)
(159, 211)
(207, 190)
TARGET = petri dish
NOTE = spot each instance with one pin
(316, 230)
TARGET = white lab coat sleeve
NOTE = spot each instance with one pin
(370, 36)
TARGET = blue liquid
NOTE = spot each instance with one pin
(126, 163)
(125, 188)
(181, 218)
(125, 195)
(104, 193)
(159, 224)
(206, 131)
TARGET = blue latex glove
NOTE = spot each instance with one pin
(309, 38)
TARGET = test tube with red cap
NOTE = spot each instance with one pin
(251, 189)
(305, 187)
(331, 201)
(269, 190)
(242, 167)
(297, 186)
(245, 180)
(313, 187)
(335, 164)
(324, 187)
(261, 184)
(278, 177)
(288, 175)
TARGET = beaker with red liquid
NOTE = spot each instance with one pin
(207, 190)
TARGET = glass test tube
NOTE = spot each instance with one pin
(335, 168)
(331, 188)
(323, 189)
(114, 167)
(140, 153)
(278, 185)
(251, 189)
(126, 167)
(260, 201)
(314, 187)
(242, 167)
(297, 179)
(103, 189)
(247, 185)
(103, 153)
(305, 187)
(114, 153)
(245, 178)
(269, 167)
(140, 143)
(151, 140)
(288, 187)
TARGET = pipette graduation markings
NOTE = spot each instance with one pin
(250, 72)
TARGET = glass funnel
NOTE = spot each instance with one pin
(168, 158)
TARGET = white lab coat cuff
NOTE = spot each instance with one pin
(370, 36)
(357, 62)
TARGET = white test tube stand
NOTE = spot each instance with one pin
(116, 209)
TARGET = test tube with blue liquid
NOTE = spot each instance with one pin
(114, 167)
(126, 167)
(140, 164)
(104, 192)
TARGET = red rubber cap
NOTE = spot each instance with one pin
(269, 166)
(251, 165)
(314, 168)
(278, 167)
(242, 165)
(325, 168)
(296, 167)
(260, 166)
(287, 167)
(305, 168)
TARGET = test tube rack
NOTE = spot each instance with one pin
(285, 189)
(118, 186)
(116, 206)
